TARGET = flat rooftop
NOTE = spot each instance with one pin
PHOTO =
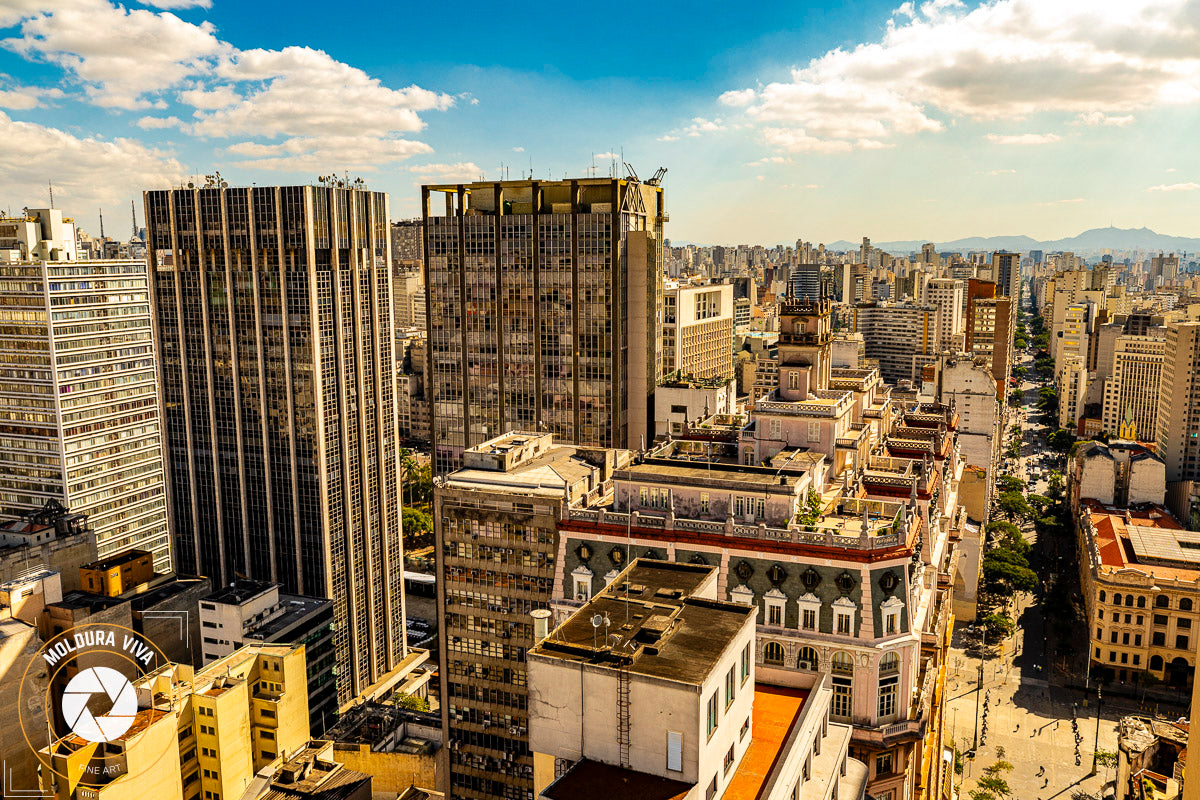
(776, 710)
(239, 591)
(295, 608)
(1145, 537)
(655, 624)
(117, 559)
(593, 780)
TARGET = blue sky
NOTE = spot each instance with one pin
(776, 120)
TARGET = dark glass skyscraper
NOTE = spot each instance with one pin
(273, 318)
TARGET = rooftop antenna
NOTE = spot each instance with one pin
(51, 183)
(102, 223)
(133, 214)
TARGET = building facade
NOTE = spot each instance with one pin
(274, 323)
(545, 303)
(1130, 406)
(697, 331)
(1179, 403)
(80, 419)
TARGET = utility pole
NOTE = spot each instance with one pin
(1096, 744)
(979, 685)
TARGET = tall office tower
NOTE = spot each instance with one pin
(274, 322)
(805, 282)
(929, 254)
(1163, 269)
(697, 330)
(79, 408)
(545, 306)
(1006, 272)
(946, 294)
(896, 336)
(990, 334)
(864, 252)
(1179, 403)
(1130, 402)
(496, 521)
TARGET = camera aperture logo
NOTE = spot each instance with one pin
(93, 685)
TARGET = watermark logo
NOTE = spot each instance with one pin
(90, 683)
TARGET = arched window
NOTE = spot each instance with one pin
(842, 663)
(1156, 663)
(1116, 599)
(889, 664)
(1141, 602)
(1185, 604)
(1162, 601)
(1101, 595)
(773, 654)
(808, 659)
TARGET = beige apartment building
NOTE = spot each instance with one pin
(697, 331)
(1130, 408)
(198, 734)
(1179, 403)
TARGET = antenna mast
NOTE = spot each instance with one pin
(133, 213)
(102, 223)
(51, 183)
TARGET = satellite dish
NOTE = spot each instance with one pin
(597, 621)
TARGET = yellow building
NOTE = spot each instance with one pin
(115, 575)
(197, 735)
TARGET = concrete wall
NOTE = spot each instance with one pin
(391, 773)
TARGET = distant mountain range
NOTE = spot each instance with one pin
(1089, 242)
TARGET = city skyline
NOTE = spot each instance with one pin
(825, 122)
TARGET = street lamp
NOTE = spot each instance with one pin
(1096, 744)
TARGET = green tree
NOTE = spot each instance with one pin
(1008, 483)
(411, 702)
(1014, 505)
(998, 624)
(1061, 440)
(1016, 397)
(1020, 344)
(1007, 572)
(418, 528)
(810, 512)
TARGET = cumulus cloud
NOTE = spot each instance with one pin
(518, 149)
(447, 173)
(1093, 118)
(23, 98)
(1023, 138)
(292, 108)
(87, 172)
(1003, 172)
(608, 155)
(1174, 187)
(939, 62)
(666, 137)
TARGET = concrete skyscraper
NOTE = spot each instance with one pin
(545, 306)
(1006, 272)
(274, 323)
(79, 407)
(1179, 403)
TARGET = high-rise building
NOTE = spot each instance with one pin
(274, 322)
(946, 295)
(1179, 403)
(545, 303)
(496, 524)
(697, 330)
(894, 335)
(1006, 272)
(79, 408)
(1130, 401)
(805, 282)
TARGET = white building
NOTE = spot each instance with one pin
(946, 294)
(698, 322)
(666, 704)
(79, 408)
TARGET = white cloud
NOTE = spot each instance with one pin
(1003, 172)
(293, 108)
(666, 137)
(23, 98)
(770, 160)
(1170, 169)
(518, 149)
(118, 55)
(447, 173)
(87, 172)
(939, 62)
(158, 123)
(760, 177)
(1094, 118)
(1069, 201)
(1174, 187)
(1023, 138)
(607, 155)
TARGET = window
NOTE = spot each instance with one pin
(887, 696)
(582, 583)
(728, 760)
(842, 663)
(1113, 637)
(1136, 659)
(1158, 639)
(774, 429)
(642, 497)
(711, 792)
(1127, 619)
(809, 622)
(793, 380)
(814, 431)
(1125, 638)
(1100, 613)
(739, 506)
(843, 623)
(1181, 642)
(1162, 601)
(1160, 619)
(1101, 595)
(730, 683)
(267, 754)
(808, 659)
(1124, 658)
(1183, 624)
(1141, 603)
(1140, 619)
(773, 654)
(1116, 599)
(884, 764)
(675, 751)
(889, 664)
(1185, 604)
(704, 502)
(775, 614)
(745, 663)
(745, 729)
(890, 625)
(1112, 655)
(843, 696)
(1137, 640)
(712, 715)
